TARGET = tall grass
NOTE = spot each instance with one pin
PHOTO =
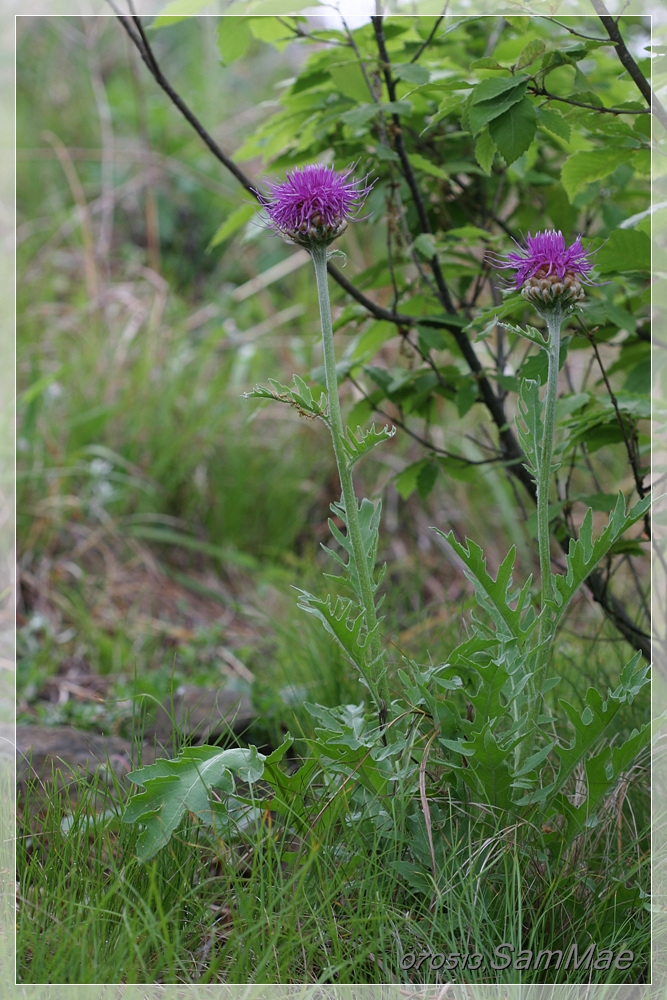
(273, 908)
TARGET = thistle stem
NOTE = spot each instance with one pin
(554, 319)
(376, 677)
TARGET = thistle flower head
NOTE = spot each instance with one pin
(548, 272)
(314, 204)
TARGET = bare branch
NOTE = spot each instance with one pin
(136, 33)
(543, 92)
(425, 45)
(611, 27)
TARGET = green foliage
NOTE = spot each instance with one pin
(369, 524)
(529, 426)
(173, 789)
(357, 444)
(603, 768)
(585, 554)
(343, 618)
(300, 396)
(344, 621)
(444, 104)
(496, 596)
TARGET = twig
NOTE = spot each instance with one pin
(300, 32)
(579, 34)
(424, 442)
(543, 92)
(628, 63)
(630, 445)
(135, 31)
(408, 172)
(425, 45)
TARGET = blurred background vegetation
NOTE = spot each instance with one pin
(162, 518)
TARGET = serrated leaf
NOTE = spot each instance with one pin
(496, 596)
(425, 244)
(369, 515)
(536, 367)
(406, 481)
(356, 445)
(271, 30)
(344, 621)
(641, 161)
(308, 81)
(415, 73)
(535, 760)
(553, 121)
(458, 746)
(483, 110)
(529, 424)
(234, 38)
(435, 170)
(174, 788)
(489, 772)
(625, 250)
(177, 10)
(528, 333)
(514, 130)
(588, 165)
(431, 339)
(232, 224)
(489, 90)
(426, 478)
(603, 769)
(298, 395)
(530, 52)
(363, 113)
(485, 151)
(487, 62)
(449, 104)
(584, 554)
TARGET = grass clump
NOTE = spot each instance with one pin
(359, 902)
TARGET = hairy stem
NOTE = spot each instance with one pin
(377, 676)
(554, 320)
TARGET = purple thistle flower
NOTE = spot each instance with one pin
(547, 272)
(315, 202)
(545, 254)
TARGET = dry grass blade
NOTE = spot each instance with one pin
(427, 817)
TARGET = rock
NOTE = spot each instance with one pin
(73, 756)
(71, 759)
(44, 750)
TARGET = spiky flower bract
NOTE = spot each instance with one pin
(313, 205)
(548, 272)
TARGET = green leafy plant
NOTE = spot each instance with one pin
(500, 751)
(494, 782)
(486, 716)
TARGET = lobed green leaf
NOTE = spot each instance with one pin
(173, 789)
(584, 554)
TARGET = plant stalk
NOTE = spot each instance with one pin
(554, 319)
(376, 678)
